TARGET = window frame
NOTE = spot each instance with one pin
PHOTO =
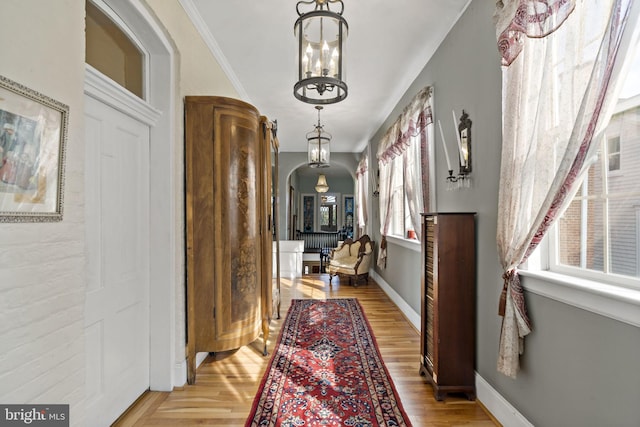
(397, 179)
(605, 196)
(608, 294)
(331, 202)
(398, 173)
(124, 31)
(605, 299)
(609, 138)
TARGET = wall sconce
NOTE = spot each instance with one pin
(463, 138)
(376, 192)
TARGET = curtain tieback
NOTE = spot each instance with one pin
(507, 277)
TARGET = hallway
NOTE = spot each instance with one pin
(227, 382)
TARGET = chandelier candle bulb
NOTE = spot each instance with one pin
(325, 53)
(305, 62)
(444, 145)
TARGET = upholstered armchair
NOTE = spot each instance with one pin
(352, 259)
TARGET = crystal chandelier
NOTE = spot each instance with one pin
(320, 33)
(318, 145)
(322, 186)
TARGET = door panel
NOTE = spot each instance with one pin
(117, 299)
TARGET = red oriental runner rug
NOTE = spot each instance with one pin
(326, 370)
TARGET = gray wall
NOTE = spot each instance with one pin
(579, 368)
(288, 162)
(342, 183)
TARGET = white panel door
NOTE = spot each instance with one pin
(117, 298)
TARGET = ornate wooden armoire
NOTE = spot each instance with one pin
(228, 225)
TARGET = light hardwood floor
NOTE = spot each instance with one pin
(227, 382)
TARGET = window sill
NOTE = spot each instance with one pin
(615, 302)
(412, 244)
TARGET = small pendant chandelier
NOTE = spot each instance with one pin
(318, 145)
(322, 186)
(320, 33)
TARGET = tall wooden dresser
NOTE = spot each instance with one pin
(228, 225)
(448, 303)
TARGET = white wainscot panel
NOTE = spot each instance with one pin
(291, 252)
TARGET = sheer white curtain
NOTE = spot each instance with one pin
(413, 173)
(408, 136)
(386, 185)
(362, 195)
(561, 62)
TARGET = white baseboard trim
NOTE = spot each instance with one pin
(180, 370)
(499, 407)
(180, 373)
(406, 309)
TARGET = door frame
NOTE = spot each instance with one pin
(165, 241)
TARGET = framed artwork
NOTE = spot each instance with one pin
(348, 214)
(308, 212)
(33, 136)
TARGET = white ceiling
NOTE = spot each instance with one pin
(389, 43)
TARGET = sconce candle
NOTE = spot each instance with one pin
(444, 145)
(463, 161)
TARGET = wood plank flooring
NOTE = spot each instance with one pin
(227, 382)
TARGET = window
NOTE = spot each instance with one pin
(397, 199)
(552, 102)
(598, 236)
(328, 213)
(361, 197)
(613, 153)
(402, 225)
(403, 181)
(112, 52)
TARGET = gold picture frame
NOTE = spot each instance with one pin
(33, 137)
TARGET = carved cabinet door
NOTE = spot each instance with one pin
(225, 220)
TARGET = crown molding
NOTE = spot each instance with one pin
(202, 28)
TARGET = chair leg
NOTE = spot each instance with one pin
(364, 277)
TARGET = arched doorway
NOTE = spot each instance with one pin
(327, 211)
